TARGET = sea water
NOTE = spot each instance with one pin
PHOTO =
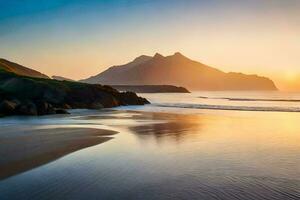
(214, 145)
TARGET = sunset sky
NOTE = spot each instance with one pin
(80, 38)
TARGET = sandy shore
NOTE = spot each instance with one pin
(23, 150)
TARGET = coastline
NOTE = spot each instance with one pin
(24, 150)
(154, 150)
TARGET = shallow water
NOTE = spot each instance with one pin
(204, 155)
(199, 102)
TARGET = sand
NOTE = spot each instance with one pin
(22, 150)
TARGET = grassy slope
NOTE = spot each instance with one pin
(57, 92)
(19, 69)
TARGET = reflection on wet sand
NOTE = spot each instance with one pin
(172, 127)
(161, 126)
(25, 148)
(235, 155)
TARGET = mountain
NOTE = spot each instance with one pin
(116, 72)
(61, 78)
(179, 70)
(151, 88)
(19, 69)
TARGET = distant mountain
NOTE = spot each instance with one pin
(61, 78)
(19, 69)
(116, 72)
(151, 88)
(179, 70)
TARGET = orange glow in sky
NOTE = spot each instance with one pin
(78, 40)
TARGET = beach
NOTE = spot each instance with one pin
(24, 148)
(156, 153)
(150, 100)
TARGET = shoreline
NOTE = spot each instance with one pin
(21, 151)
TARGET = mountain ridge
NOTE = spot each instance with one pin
(21, 70)
(177, 69)
(61, 78)
(151, 88)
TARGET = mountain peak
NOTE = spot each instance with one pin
(142, 58)
(177, 69)
(157, 55)
(178, 54)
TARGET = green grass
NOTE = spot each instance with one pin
(24, 87)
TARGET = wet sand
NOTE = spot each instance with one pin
(231, 155)
(26, 147)
(22, 150)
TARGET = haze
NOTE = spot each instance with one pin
(77, 39)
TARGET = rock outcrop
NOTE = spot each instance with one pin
(23, 95)
(8, 107)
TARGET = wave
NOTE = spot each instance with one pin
(251, 99)
(227, 107)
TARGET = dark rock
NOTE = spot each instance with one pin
(41, 96)
(27, 109)
(130, 98)
(91, 96)
(53, 96)
(61, 111)
(8, 107)
(44, 108)
(96, 106)
(109, 101)
(67, 106)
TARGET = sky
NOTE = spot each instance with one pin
(80, 38)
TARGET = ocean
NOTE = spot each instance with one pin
(201, 145)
